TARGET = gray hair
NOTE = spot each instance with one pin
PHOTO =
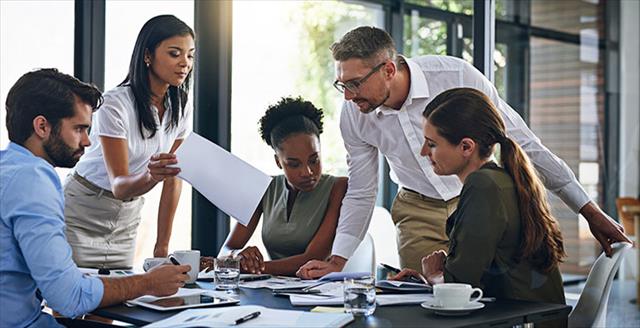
(365, 42)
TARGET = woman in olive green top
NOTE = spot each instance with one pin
(503, 238)
(300, 208)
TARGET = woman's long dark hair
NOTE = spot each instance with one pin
(468, 113)
(153, 32)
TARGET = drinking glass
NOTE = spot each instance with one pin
(360, 296)
(226, 272)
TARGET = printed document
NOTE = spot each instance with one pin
(223, 317)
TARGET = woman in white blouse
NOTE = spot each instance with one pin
(134, 135)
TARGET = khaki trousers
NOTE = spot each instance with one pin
(100, 228)
(420, 224)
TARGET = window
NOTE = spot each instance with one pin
(567, 113)
(33, 35)
(456, 6)
(556, 74)
(123, 21)
(282, 49)
(424, 36)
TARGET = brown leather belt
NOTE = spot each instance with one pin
(429, 198)
(96, 189)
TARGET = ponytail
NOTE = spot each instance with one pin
(541, 238)
(468, 113)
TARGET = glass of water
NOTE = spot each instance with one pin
(226, 272)
(360, 296)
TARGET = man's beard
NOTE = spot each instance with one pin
(372, 106)
(59, 152)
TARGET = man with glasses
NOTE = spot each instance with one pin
(385, 95)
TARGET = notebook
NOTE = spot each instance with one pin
(403, 286)
(224, 317)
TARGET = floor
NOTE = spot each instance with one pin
(620, 311)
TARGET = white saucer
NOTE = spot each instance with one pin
(438, 309)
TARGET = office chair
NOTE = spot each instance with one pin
(364, 258)
(591, 309)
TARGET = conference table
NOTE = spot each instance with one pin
(501, 313)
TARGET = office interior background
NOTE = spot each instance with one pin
(569, 67)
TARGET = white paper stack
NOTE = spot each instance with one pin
(224, 317)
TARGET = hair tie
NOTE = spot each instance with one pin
(502, 138)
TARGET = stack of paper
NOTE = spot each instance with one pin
(332, 294)
(278, 283)
(404, 286)
(223, 317)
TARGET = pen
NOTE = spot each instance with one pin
(248, 317)
(173, 260)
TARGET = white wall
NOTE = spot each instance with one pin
(629, 98)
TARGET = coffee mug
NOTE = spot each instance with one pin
(152, 262)
(451, 295)
(191, 257)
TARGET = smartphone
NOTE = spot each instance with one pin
(407, 278)
(390, 268)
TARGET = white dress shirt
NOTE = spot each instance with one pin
(117, 118)
(397, 134)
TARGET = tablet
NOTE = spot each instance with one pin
(183, 302)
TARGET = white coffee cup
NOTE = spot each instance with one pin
(191, 257)
(452, 295)
(152, 262)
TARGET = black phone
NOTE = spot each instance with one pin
(407, 278)
(390, 268)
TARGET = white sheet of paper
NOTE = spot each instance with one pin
(228, 182)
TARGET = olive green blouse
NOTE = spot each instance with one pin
(485, 234)
(285, 237)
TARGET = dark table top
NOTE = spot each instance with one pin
(495, 314)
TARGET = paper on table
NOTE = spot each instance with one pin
(335, 290)
(225, 180)
(278, 283)
(394, 299)
(267, 318)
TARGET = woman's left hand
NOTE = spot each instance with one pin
(159, 169)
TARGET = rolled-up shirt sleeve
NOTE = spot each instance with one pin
(555, 173)
(39, 229)
(359, 201)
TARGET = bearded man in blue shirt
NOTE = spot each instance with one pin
(48, 117)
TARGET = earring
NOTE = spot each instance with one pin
(147, 63)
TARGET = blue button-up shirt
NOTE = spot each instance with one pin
(34, 253)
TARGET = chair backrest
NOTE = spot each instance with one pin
(364, 258)
(625, 216)
(382, 230)
(591, 309)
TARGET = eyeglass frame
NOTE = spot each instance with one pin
(341, 87)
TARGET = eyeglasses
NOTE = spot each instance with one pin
(354, 86)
